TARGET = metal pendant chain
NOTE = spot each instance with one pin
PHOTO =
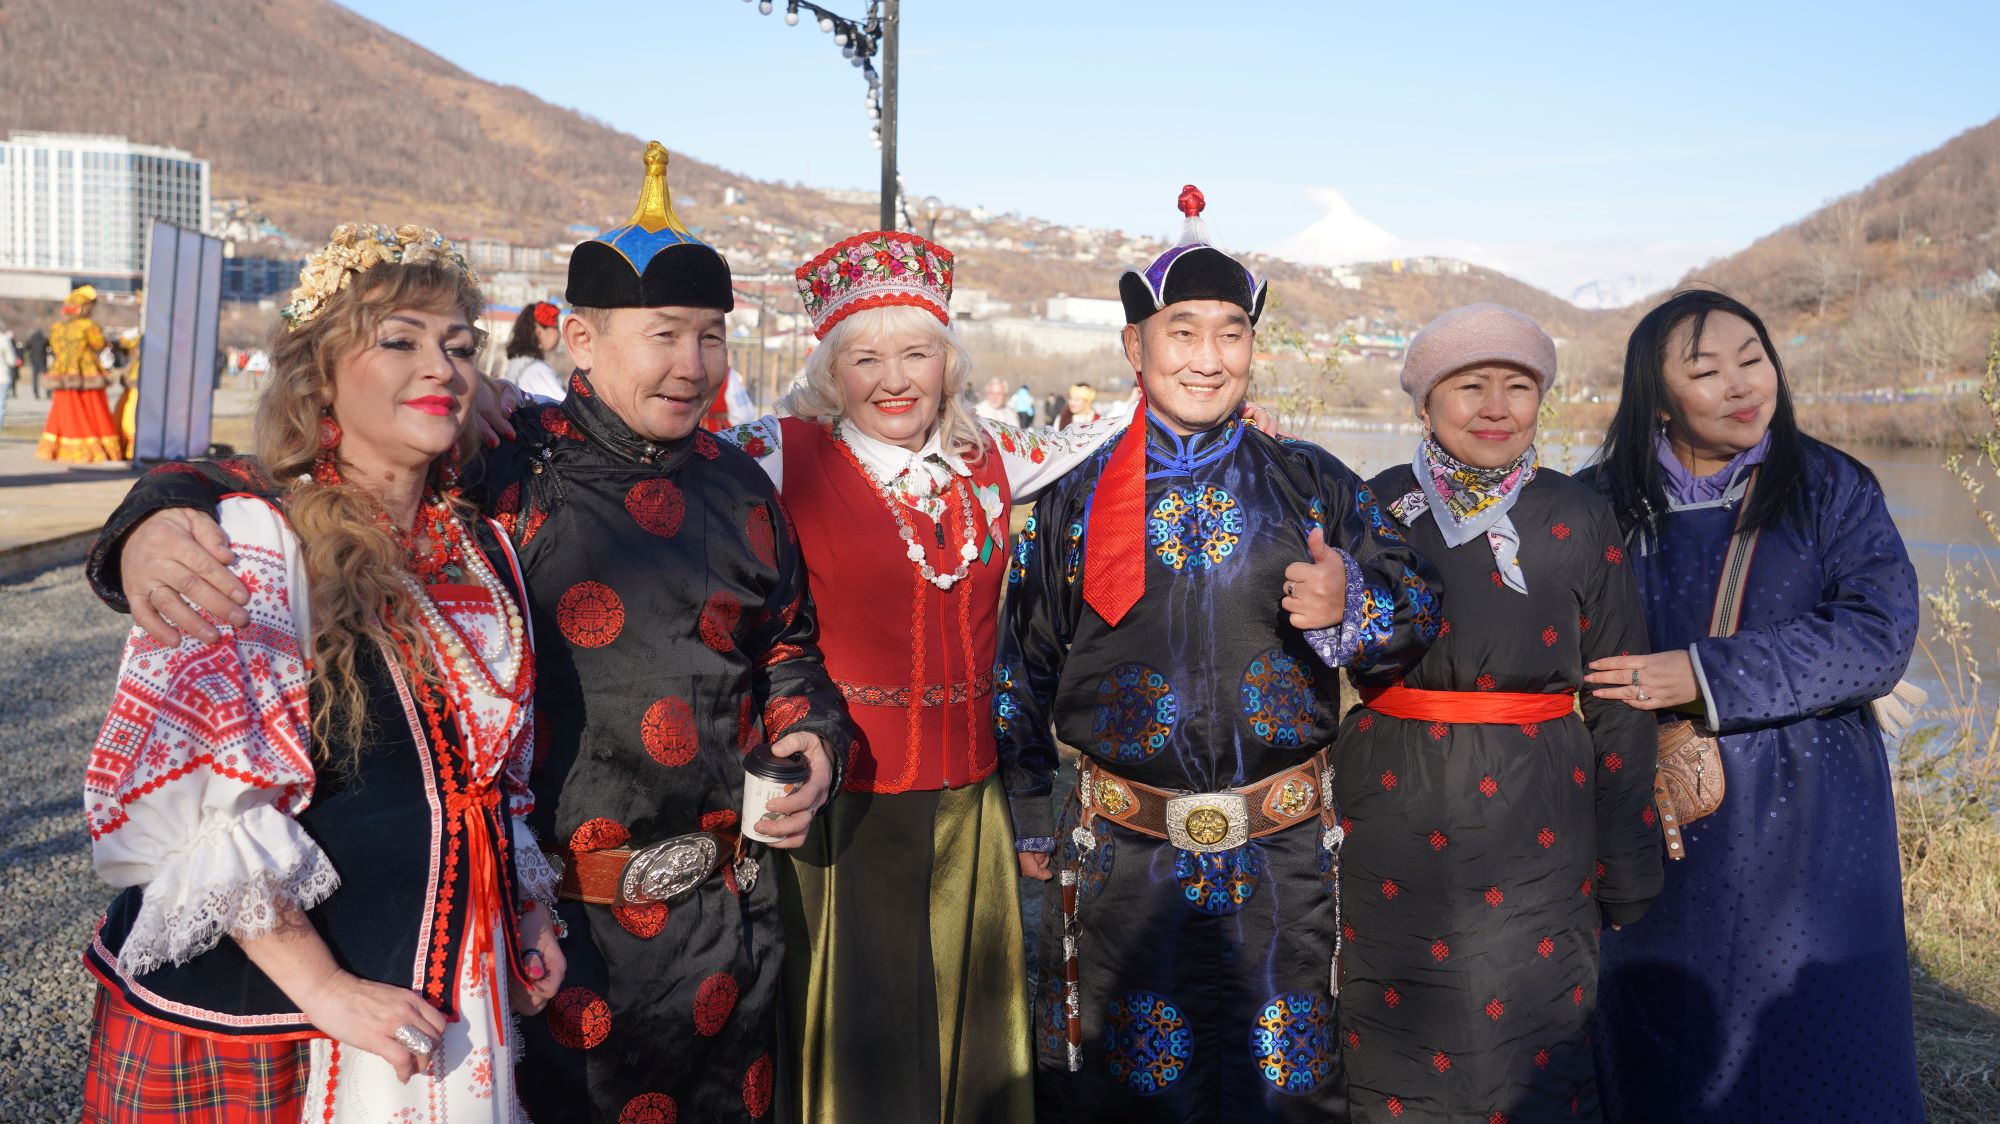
(915, 553)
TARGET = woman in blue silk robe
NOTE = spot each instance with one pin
(1770, 981)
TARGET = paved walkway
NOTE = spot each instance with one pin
(45, 503)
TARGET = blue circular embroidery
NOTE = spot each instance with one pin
(1024, 552)
(1292, 1042)
(1136, 711)
(1277, 697)
(1195, 528)
(1220, 881)
(1052, 1022)
(1006, 705)
(1146, 1042)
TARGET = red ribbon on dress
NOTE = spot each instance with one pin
(471, 807)
(1114, 551)
(1498, 708)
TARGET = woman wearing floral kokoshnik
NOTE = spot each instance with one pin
(330, 899)
(1490, 829)
(915, 1010)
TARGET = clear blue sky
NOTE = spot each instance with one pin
(1564, 142)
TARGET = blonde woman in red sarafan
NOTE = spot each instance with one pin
(331, 902)
(904, 898)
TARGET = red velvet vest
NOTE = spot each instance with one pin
(914, 662)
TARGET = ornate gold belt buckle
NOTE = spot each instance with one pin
(1208, 821)
(669, 871)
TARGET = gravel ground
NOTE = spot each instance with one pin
(58, 660)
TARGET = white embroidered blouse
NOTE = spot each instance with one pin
(206, 758)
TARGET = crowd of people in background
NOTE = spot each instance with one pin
(585, 747)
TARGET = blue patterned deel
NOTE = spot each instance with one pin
(1136, 712)
(1073, 553)
(1006, 704)
(1052, 1022)
(1095, 863)
(1423, 603)
(1024, 552)
(1378, 624)
(1146, 1041)
(1278, 701)
(1378, 519)
(1195, 528)
(1292, 1042)
(1220, 881)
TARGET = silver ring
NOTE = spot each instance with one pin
(1289, 587)
(414, 1040)
(1635, 679)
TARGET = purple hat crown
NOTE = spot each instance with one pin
(1192, 269)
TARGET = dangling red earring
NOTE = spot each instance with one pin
(326, 470)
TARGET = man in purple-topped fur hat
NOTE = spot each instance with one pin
(1180, 615)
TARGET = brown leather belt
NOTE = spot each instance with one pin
(663, 872)
(1207, 821)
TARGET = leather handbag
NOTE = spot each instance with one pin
(1690, 783)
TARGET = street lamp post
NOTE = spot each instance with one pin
(891, 20)
(858, 41)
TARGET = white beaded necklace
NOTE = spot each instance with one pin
(915, 553)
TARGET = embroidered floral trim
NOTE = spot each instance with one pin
(932, 694)
(1337, 644)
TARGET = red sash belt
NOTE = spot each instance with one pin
(1498, 708)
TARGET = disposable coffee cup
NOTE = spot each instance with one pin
(766, 776)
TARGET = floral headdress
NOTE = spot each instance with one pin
(357, 247)
(881, 267)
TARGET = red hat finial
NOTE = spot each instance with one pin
(1192, 201)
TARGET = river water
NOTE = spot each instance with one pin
(1939, 523)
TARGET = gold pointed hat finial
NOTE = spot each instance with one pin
(655, 211)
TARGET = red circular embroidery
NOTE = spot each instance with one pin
(1440, 950)
(763, 539)
(598, 835)
(552, 419)
(757, 1087)
(644, 920)
(657, 506)
(1613, 555)
(1389, 780)
(1494, 897)
(590, 615)
(1545, 947)
(1494, 1009)
(1391, 996)
(1439, 840)
(724, 820)
(718, 620)
(705, 446)
(1487, 786)
(1549, 637)
(668, 732)
(1613, 762)
(1485, 682)
(650, 1108)
(714, 1000)
(1560, 530)
(579, 1018)
(1440, 1061)
(1546, 838)
(748, 729)
(1390, 889)
(782, 713)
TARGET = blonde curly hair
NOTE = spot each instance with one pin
(354, 565)
(816, 395)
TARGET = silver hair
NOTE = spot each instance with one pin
(816, 394)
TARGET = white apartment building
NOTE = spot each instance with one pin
(80, 205)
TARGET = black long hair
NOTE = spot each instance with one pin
(1628, 466)
(523, 340)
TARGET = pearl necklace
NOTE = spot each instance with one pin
(911, 550)
(458, 647)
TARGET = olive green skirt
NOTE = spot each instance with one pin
(904, 976)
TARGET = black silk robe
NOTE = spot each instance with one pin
(1205, 988)
(672, 630)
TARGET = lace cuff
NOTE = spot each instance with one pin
(234, 878)
(1336, 645)
(535, 877)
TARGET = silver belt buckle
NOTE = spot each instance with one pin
(668, 871)
(1206, 822)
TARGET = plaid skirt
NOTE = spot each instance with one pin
(140, 1072)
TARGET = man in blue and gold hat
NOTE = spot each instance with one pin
(673, 634)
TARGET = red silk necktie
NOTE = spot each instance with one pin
(1114, 550)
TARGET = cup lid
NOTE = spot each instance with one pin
(768, 765)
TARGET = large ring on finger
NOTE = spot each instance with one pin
(1635, 679)
(415, 1041)
(1289, 587)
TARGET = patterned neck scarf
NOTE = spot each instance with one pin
(1467, 502)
